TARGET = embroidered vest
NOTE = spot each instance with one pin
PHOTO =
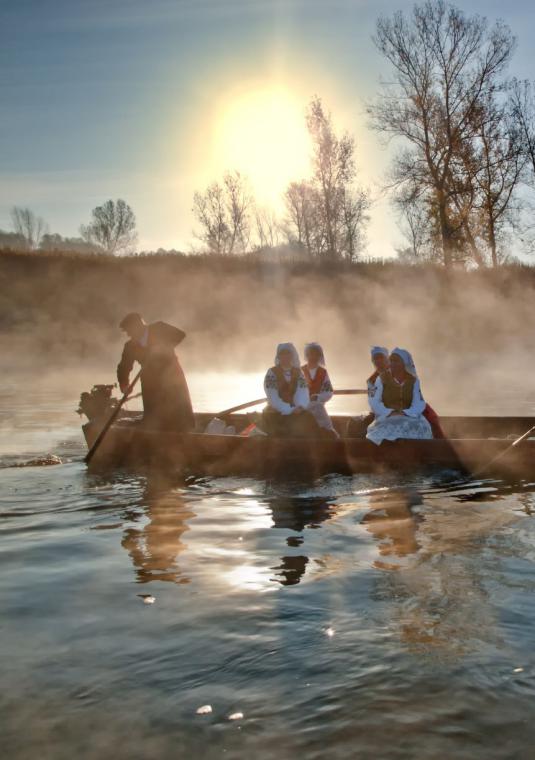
(286, 389)
(396, 396)
(314, 386)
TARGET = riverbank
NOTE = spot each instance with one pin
(58, 308)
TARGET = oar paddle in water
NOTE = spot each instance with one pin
(100, 437)
(240, 407)
(482, 470)
(523, 437)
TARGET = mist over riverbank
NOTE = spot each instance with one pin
(470, 330)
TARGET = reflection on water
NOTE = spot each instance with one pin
(156, 541)
(393, 523)
(370, 616)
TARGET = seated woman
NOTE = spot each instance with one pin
(397, 403)
(319, 386)
(381, 363)
(288, 398)
(357, 427)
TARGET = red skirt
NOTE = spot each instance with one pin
(432, 417)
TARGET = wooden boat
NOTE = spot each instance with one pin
(471, 444)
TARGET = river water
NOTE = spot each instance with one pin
(350, 617)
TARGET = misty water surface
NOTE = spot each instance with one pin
(382, 617)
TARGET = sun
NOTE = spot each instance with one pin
(261, 132)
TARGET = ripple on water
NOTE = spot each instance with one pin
(355, 616)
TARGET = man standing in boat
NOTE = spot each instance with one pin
(166, 399)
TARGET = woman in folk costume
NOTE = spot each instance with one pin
(319, 386)
(288, 398)
(357, 427)
(381, 362)
(397, 403)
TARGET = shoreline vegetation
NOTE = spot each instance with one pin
(65, 307)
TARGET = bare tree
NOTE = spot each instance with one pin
(418, 223)
(522, 102)
(239, 205)
(210, 211)
(303, 224)
(444, 64)
(354, 216)
(342, 208)
(28, 226)
(268, 228)
(500, 162)
(223, 212)
(112, 227)
(327, 214)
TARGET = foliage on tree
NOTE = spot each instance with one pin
(112, 227)
(447, 69)
(55, 242)
(223, 212)
(327, 214)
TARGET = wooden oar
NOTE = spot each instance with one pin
(504, 452)
(112, 417)
(349, 392)
(477, 473)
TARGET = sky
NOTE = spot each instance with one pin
(150, 100)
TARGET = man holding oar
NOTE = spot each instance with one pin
(166, 399)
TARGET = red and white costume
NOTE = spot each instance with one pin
(319, 387)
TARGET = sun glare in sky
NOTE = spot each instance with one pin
(262, 133)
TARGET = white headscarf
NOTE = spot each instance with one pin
(318, 348)
(407, 360)
(379, 350)
(292, 349)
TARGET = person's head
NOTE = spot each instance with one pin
(380, 358)
(397, 365)
(313, 355)
(402, 363)
(133, 325)
(287, 356)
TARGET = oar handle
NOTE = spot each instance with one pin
(100, 437)
(240, 407)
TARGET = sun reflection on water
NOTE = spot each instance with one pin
(251, 578)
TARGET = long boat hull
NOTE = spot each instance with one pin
(476, 443)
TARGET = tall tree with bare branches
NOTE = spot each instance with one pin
(112, 227)
(444, 63)
(342, 207)
(500, 160)
(28, 225)
(327, 213)
(223, 212)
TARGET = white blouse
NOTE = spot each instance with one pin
(375, 400)
(301, 396)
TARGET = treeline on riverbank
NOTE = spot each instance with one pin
(57, 307)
